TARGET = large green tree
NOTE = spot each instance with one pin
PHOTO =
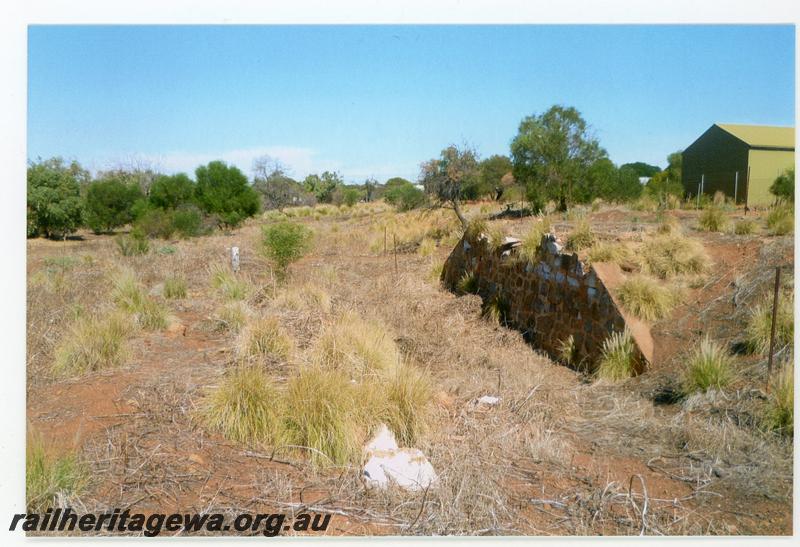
(323, 186)
(445, 177)
(109, 203)
(492, 171)
(667, 182)
(55, 207)
(642, 169)
(224, 191)
(552, 154)
(171, 191)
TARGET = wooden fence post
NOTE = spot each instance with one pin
(774, 323)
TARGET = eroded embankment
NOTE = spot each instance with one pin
(550, 297)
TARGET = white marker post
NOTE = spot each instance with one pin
(736, 187)
(235, 258)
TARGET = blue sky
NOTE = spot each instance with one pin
(379, 100)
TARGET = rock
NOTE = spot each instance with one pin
(488, 400)
(387, 464)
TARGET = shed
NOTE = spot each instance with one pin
(740, 160)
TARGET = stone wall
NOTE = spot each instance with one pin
(548, 299)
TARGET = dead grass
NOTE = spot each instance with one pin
(580, 237)
(264, 337)
(613, 252)
(92, 343)
(759, 324)
(646, 298)
(356, 346)
(744, 227)
(231, 316)
(529, 249)
(130, 296)
(408, 392)
(713, 219)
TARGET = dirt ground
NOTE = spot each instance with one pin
(560, 455)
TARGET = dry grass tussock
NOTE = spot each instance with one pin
(780, 220)
(709, 367)
(264, 337)
(130, 296)
(646, 298)
(357, 346)
(52, 480)
(581, 237)
(530, 243)
(93, 343)
(230, 285)
(613, 252)
(759, 325)
(231, 316)
(672, 255)
(780, 409)
(617, 361)
(307, 297)
(713, 219)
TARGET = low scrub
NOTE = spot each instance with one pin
(670, 255)
(308, 297)
(668, 225)
(129, 295)
(92, 344)
(175, 287)
(408, 393)
(580, 238)
(230, 285)
(357, 346)
(51, 480)
(285, 242)
(759, 325)
(245, 407)
(780, 220)
(709, 367)
(264, 337)
(712, 219)
(618, 360)
(780, 406)
(325, 414)
(646, 298)
(744, 227)
(604, 251)
(132, 244)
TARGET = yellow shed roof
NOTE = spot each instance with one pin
(769, 136)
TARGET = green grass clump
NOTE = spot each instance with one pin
(92, 344)
(780, 220)
(603, 251)
(228, 283)
(712, 219)
(167, 250)
(645, 298)
(529, 250)
(744, 227)
(132, 244)
(759, 324)
(468, 283)
(408, 393)
(709, 367)
(357, 346)
(265, 337)
(54, 263)
(174, 287)
(496, 310)
(567, 351)
(581, 237)
(51, 480)
(670, 255)
(129, 295)
(285, 242)
(618, 359)
(245, 407)
(780, 407)
(325, 413)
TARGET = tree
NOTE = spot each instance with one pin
(667, 182)
(323, 186)
(783, 187)
(552, 154)
(109, 204)
(606, 181)
(642, 169)
(370, 185)
(223, 190)
(277, 188)
(492, 171)
(284, 242)
(444, 177)
(171, 191)
(350, 196)
(404, 196)
(55, 207)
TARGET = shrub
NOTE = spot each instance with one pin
(759, 325)
(408, 392)
(581, 237)
(187, 221)
(324, 414)
(174, 287)
(669, 225)
(227, 283)
(712, 219)
(129, 296)
(475, 228)
(780, 407)
(285, 242)
(265, 337)
(55, 207)
(744, 227)
(51, 481)
(645, 298)
(245, 407)
(783, 187)
(670, 255)
(171, 191)
(224, 191)
(156, 223)
(617, 361)
(132, 244)
(780, 220)
(92, 344)
(405, 197)
(357, 346)
(109, 203)
(709, 367)
(615, 253)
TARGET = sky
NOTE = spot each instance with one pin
(376, 101)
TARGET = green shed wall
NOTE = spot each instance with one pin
(765, 166)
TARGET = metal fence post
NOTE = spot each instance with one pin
(774, 323)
